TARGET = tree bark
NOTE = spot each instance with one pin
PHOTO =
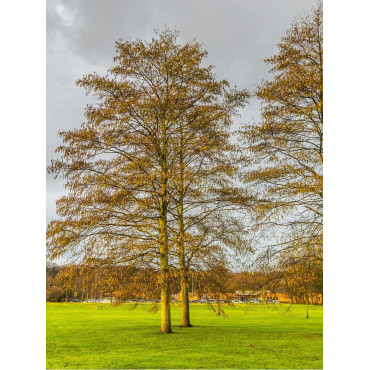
(307, 302)
(185, 321)
(165, 278)
(163, 249)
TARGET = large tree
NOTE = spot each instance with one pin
(284, 160)
(121, 166)
(203, 187)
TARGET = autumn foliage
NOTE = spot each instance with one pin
(158, 189)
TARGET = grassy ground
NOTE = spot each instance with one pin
(79, 336)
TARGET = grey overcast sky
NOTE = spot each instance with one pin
(238, 35)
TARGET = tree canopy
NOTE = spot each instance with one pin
(284, 150)
(159, 115)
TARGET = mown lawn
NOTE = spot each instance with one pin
(79, 336)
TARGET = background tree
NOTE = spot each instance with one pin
(283, 164)
(55, 294)
(216, 285)
(52, 270)
(302, 277)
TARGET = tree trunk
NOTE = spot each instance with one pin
(163, 249)
(165, 306)
(185, 322)
(307, 302)
(165, 278)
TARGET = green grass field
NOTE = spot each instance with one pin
(79, 336)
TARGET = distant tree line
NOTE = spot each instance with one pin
(302, 281)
